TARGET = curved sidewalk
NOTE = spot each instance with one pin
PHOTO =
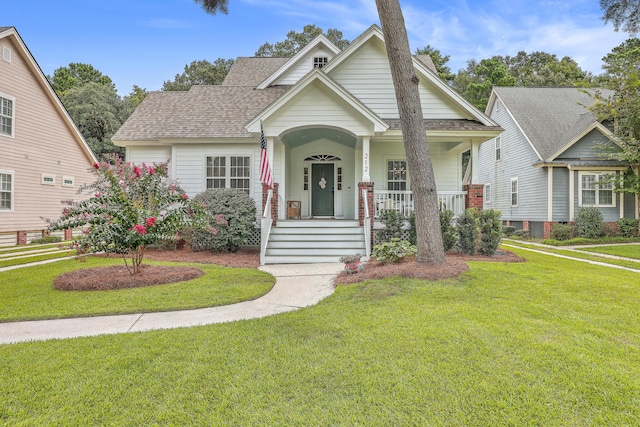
(297, 286)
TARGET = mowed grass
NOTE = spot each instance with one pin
(545, 342)
(28, 293)
(627, 251)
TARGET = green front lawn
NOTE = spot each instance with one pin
(545, 342)
(28, 293)
(627, 251)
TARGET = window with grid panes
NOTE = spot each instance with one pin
(6, 116)
(229, 172)
(6, 191)
(397, 175)
(595, 190)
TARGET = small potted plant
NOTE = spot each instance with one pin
(352, 263)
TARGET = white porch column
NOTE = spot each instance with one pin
(270, 158)
(366, 142)
(475, 167)
(572, 195)
(550, 194)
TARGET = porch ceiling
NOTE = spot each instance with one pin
(299, 137)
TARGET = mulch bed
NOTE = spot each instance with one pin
(118, 277)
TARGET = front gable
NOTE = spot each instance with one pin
(590, 144)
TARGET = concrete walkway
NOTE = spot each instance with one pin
(297, 286)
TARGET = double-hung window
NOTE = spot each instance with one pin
(487, 193)
(229, 172)
(6, 116)
(498, 148)
(397, 175)
(596, 189)
(6, 190)
(514, 192)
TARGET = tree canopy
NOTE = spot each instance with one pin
(296, 41)
(623, 14)
(77, 74)
(214, 6)
(439, 60)
(200, 73)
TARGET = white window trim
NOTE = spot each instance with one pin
(498, 148)
(13, 112)
(227, 171)
(597, 190)
(319, 61)
(13, 189)
(487, 194)
(6, 54)
(68, 178)
(50, 181)
(517, 192)
(406, 174)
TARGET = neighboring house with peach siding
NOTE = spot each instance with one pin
(43, 157)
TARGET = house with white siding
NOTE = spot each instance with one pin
(43, 157)
(332, 131)
(550, 160)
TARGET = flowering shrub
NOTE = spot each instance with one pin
(131, 207)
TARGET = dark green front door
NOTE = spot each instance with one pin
(322, 189)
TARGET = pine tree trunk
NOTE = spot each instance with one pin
(405, 81)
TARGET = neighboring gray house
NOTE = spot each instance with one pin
(548, 161)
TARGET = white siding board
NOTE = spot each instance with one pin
(303, 66)
(148, 154)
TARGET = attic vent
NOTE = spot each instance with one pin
(6, 54)
(320, 61)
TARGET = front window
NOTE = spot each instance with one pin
(397, 175)
(6, 116)
(229, 172)
(514, 192)
(596, 189)
(6, 190)
(320, 61)
(487, 193)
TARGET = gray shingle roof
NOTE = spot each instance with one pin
(549, 116)
(202, 112)
(447, 124)
(252, 71)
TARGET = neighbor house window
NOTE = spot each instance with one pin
(397, 175)
(48, 179)
(487, 193)
(6, 116)
(6, 190)
(6, 54)
(229, 172)
(320, 61)
(68, 181)
(498, 148)
(595, 190)
(514, 191)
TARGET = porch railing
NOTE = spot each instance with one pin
(402, 201)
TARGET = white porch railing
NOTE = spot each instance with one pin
(265, 228)
(402, 201)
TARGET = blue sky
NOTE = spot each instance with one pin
(146, 42)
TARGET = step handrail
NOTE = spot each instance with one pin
(265, 227)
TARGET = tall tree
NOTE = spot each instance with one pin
(132, 100)
(77, 74)
(544, 69)
(476, 81)
(296, 41)
(214, 6)
(200, 73)
(97, 111)
(405, 81)
(621, 106)
(439, 60)
(624, 14)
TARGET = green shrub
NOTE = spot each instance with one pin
(413, 235)
(508, 230)
(589, 223)
(562, 232)
(448, 229)
(522, 234)
(393, 222)
(609, 229)
(468, 232)
(393, 250)
(628, 227)
(234, 221)
(46, 239)
(490, 231)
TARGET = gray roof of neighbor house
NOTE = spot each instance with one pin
(252, 71)
(549, 116)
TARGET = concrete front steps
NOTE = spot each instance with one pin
(314, 241)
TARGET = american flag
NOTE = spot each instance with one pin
(265, 169)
